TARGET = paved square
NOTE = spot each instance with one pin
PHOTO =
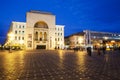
(59, 65)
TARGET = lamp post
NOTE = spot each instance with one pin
(10, 39)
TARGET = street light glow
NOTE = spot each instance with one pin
(21, 41)
(80, 40)
(105, 38)
(11, 36)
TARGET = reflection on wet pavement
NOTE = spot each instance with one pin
(58, 65)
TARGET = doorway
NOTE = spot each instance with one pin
(41, 47)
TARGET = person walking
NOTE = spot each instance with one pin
(104, 49)
(98, 51)
(89, 51)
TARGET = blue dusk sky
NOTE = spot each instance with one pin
(76, 15)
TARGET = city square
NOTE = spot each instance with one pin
(60, 40)
(59, 65)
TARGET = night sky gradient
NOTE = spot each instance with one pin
(76, 15)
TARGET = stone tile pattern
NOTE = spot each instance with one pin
(59, 65)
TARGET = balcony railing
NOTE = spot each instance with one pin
(41, 40)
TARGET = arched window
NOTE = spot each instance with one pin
(40, 36)
(45, 36)
(36, 36)
(41, 24)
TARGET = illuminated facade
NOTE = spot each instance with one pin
(93, 39)
(39, 31)
(16, 34)
(100, 39)
(75, 40)
(59, 37)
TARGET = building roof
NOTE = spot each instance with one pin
(76, 34)
(40, 12)
(79, 34)
(18, 22)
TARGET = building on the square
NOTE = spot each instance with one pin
(100, 39)
(59, 37)
(93, 39)
(75, 40)
(38, 32)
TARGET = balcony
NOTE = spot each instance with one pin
(41, 40)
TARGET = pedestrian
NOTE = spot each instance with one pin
(10, 51)
(75, 49)
(104, 49)
(98, 51)
(89, 51)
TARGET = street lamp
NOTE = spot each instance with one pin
(10, 39)
(21, 43)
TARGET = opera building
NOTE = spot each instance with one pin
(38, 32)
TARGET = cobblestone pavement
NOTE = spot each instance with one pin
(59, 65)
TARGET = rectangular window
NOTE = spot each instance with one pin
(19, 26)
(55, 39)
(16, 26)
(16, 32)
(19, 32)
(29, 43)
(22, 38)
(22, 32)
(61, 34)
(19, 37)
(15, 37)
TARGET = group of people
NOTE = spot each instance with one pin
(89, 50)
